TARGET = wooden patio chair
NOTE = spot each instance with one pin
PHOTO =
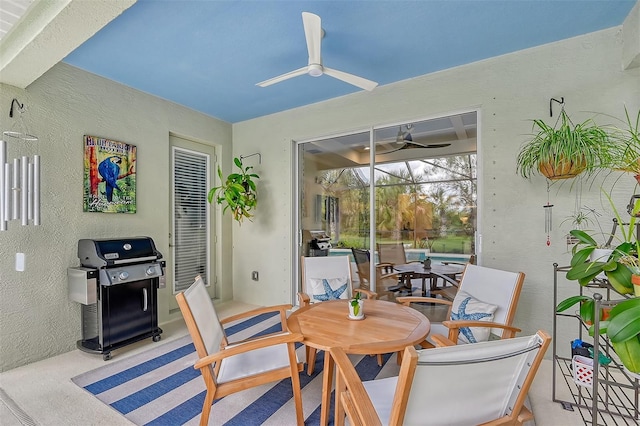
(395, 254)
(485, 303)
(229, 368)
(386, 279)
(326, 278)
(485, 383)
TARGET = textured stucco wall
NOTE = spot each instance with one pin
(509, 91)
(36, 318)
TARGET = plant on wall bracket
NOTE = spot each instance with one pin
(237, 192)
(566, 149)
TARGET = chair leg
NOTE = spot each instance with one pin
(295, 384)
(206, 409)
(379, 360)
(311, 360)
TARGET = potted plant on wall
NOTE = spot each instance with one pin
(628, 158)
(565, 150)
(237, 192)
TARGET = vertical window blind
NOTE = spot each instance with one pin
(190, 217)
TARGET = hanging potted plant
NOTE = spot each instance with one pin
(237, 192)
(565, 150)
(628, 158)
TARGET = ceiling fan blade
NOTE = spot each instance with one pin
(283, 77)
(410, 145)
(313, 34)
(362, 83)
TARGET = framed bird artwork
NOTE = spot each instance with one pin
(109, 176)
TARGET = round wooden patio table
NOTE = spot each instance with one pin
(386, 327)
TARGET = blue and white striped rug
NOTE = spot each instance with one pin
(161, 387)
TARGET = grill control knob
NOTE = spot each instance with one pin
(150, 270)
(123, 275)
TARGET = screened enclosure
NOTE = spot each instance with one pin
(424, 181)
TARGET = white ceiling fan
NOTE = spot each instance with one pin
(313, 33)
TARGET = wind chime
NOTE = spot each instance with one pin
(548, 217)
(19, 178)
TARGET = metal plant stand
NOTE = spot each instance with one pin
(612, 397)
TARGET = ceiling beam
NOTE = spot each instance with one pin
(48, 32)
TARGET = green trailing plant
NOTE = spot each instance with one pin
(628, 158)
(582, 219)
(566, 150)
(237, 192)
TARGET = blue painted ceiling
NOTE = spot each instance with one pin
(208, 55)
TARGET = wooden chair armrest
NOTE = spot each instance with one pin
(407, 300)
(441, 341)
(248, 346)
(447, 278)
(356, 401)
(386, 266)
(370, 294)
(277, 308)
(454, 328)
(304, 299)
(393, 275)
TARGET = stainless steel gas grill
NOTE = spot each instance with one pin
(117, 286)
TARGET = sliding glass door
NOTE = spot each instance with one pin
(415, 182)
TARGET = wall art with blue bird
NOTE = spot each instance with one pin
(109, 176)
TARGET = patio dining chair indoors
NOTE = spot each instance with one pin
(229, 368)
(387, 281)
(484, 304)
(395, 254)
(326, 278)
(486, 383)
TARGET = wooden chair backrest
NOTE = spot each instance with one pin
(491, 389)
(392, 253)
(498, 287)
(491, 380)
(361, 258)
(201, 318)
(325, 267)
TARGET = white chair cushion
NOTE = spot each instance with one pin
(381, 393)
(323, 289)
(467, 307)
(253, 362)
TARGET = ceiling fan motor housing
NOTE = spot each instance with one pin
(315, 70)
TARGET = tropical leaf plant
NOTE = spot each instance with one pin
(237, 192)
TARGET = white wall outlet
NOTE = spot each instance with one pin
(254, 275)
(20, 262)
